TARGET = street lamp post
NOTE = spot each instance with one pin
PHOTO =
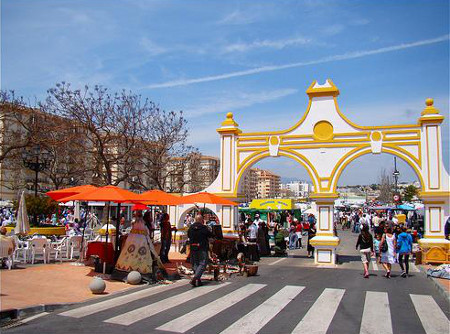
(37, 160)
(396, 174)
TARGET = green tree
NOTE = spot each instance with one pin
(409, 193)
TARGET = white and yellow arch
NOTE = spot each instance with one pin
(324, 142)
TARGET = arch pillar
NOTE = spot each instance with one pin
(435, 194)
(325, 242)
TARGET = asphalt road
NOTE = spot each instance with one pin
(286, 297)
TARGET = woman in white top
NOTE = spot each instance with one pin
(388, 257)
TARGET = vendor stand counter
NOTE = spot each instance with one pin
(105, 251)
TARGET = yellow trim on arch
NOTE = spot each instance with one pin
(378, 127)
(293, 155)
(396, 146)
(342, 165)
(296, 125)
(251, 156)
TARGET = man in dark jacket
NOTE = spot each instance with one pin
(198, 235)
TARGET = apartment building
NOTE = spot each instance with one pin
(268, 184)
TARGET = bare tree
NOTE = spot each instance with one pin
(385, 187)
(66, 142)
(110, 125)
(167, 162)
(17, 124)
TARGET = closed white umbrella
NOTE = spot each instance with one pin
(76, 212)
(22, 224)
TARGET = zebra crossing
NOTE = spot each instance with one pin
(229, 298)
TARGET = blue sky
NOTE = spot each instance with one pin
(254, 58)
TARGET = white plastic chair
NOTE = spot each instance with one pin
(22, 250)
(57, 249)
(74, 245)
(39, 246)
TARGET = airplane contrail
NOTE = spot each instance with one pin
(271, 68)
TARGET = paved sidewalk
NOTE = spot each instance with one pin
(56, 283)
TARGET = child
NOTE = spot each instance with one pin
(376, 246)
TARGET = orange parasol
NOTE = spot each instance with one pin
(57, 195)
(207, 198)
(159, 197)
(105, 194)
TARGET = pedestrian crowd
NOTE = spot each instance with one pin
(392, 241)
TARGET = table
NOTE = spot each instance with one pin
(105, 251)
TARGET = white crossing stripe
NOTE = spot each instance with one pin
(110, 303)
(260, 316)
(196, 317)
(36, 316)
(162, 305)
(319, 316)
(376, 315)
(277, 261)
(374, 263)
(430, 314)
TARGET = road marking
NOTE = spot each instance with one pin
(377, 315)
(277, 261)
(319, 316)
(110, 303)
(196, 317)
(260, 316)
(33, 317)
(431, 316)
(374, 264)
(138, 314)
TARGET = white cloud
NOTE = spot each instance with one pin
(271, 68)
(237, 101)
(239, 17)
(151, 48)
(270, 44)
(333, 29)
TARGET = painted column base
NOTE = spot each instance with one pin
(435, 250)
(325, 249)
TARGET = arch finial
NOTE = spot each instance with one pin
(429, 109)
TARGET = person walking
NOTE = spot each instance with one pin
(166, 238)
(311, 234)
(365, 243)
(388, 246)
(261, 238)
(199, 235)
(292, 236)
(299, 231)
(404, 248)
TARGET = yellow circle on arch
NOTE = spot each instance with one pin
(274, 141)
(323, 130)
(376, 136)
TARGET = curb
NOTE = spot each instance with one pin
(17, 313)
(436, 283)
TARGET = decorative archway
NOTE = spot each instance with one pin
(324, 141)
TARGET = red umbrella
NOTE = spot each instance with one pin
(207, 198)
(59, 194)
(138, 207)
